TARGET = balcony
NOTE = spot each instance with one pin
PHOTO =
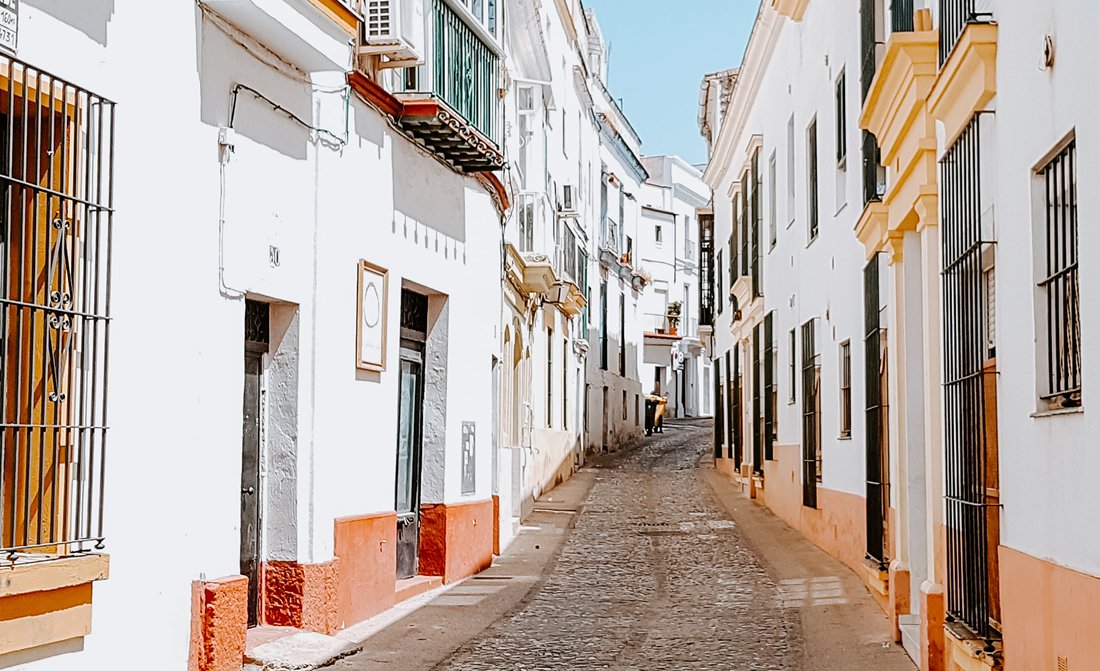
(314, 35)
(530, 272)
(451, 104)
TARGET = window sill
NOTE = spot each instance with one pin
(57, 591)
(843, 437)
(1057, 413)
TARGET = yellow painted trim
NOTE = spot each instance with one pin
(900, 89)
(873, 227)
(968, 80)
(44, 576)
(341, 15)
(792, 9)
(38, 630)
(968, 657)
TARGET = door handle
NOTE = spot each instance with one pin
(250, 490)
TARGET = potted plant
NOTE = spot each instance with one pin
(673, 315)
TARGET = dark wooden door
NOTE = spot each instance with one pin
(250, 481)
(409, 448)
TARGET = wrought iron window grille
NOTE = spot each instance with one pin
(1060, 284)
(57, 179)
(968, 460)
(877, 424)
(811, 416)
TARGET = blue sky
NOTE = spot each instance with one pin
(659, 57)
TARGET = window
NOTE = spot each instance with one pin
(718, 279)
(550, 378)
(841, 121)
(55, 251)
(637, 410)
(564, 382)
(527, 223)
(658, 235)
(1059, 291)
(811, 417)
(770, 383)
(626, 416)
(622, 334)
(971, 476)
(603, 325)
(846, 389)
(755, 269)
(772, 218)
(792, 373)
(790, 171)
(811, 163)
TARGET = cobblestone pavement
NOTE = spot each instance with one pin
(655, 575)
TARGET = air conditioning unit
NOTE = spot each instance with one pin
(395, 29)
(568, 201)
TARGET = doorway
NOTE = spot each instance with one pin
(256, 342)
(410, 435)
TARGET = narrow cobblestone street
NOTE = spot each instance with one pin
(654, 573)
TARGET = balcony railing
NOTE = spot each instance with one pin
(901, 16)
(954, 17)
(464, 70)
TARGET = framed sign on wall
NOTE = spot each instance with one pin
(370, 331)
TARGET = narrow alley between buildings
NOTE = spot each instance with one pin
(648, 560)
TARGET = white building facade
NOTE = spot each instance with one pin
(676, 362)
(914, 401)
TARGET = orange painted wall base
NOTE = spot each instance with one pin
(219, 621)
(456, 539)
(932, 650)
(302, 596)
(366, 551)
(1050, 613)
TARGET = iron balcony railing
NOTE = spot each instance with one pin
(464, 70)
(955, 15)
(901, 16)
(56, 181)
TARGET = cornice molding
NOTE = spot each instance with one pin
(967, 81)
(765, 35)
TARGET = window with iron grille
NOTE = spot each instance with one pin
(56, 172)
(969, 387)
(603, 325)
(846, 389)
(706, 269)
(841, 119)
(792, 369)
(757, 220)
(870, 40)
(745, 231)
(811, 161)
(733, 269)
(564, 382)
(549, 378)
(737, 406)
(757, 400)
(718, 280)
(876, 432)
(1059, 288)
(773, 233)
(811, 416)
(622, 334)
(769, 387)
(527, 223)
